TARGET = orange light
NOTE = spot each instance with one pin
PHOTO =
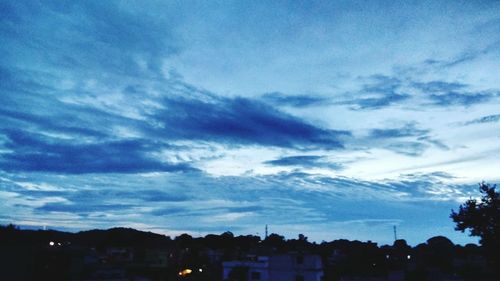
(185, 272)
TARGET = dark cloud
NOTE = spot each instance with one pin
(210, 228)
(409, 130)
(380, 101)
(434, 176)
(32, 152)
(464, 57)
(409, 148)
(309, 161)
(82, 208)
(235, 121)
(460, 99)
(442, 93)
(485, 119)
(438, 86)
(385, 91)
(153, 195)
(136, 195)
(281, 99)
(409, 139)
(382, 92)
(89, 143)
(192, 211)
(30, 105)
(50, 124)
(435, 142)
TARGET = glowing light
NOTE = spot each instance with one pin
(408, 257)
(51, 243)
(185, 272)
(200, 270)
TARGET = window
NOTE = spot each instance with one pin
(299, 278)
(255, 275)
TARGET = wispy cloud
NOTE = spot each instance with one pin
(438, 86)
(461, 99)
(381, 92)
(443, 93)
(485, 119)
(35, 152)
(309, 161)
(408, 130)
(280, 99)
(235, 121)
(409, 139)
(389, 91)
(279, 200)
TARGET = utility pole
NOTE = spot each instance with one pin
(395, 234)
(266, 232)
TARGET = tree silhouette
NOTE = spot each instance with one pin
(482, 218)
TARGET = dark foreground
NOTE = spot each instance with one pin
(121, 254)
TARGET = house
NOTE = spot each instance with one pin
(119, 254)
(156, 258)
(278, 267)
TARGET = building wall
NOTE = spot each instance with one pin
(289, 267)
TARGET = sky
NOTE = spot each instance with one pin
(335, 119)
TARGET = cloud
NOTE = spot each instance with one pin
(408, 130)
(383, 91)
(464, 57)
(371, 222)
(82, 208)
(485, 119)
(438, 86)
(460, 99)
(93, 135)
(49, 124)
(408, 139)
(280, 99)
(442, 93)
(408, 148)
(35, 152)
(236, 121)
(279, 200)
(192, 211)
(380, 101)
(308, 161)
(106, 37)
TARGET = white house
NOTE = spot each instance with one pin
(282, 267)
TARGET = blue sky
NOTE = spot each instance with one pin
(333, 119)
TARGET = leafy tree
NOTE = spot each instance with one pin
(482, 218)
(275, 241)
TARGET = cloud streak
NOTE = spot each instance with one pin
(31, 152)
(280, 99)
(485, 119)
(306, 161)
(235, 121)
